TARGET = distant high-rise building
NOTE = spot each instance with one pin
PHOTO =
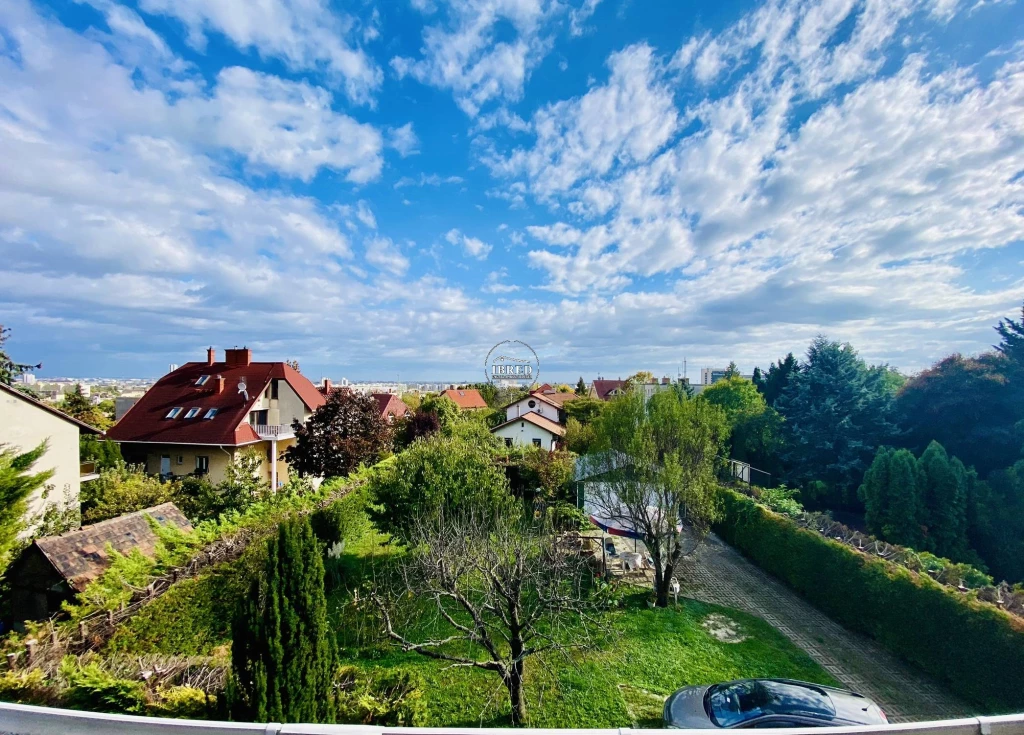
(28, 378)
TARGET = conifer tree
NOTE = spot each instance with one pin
(283, 653)
(903, 494)
(874, 492)
(945, 496)
(581, 387)
(17, 483)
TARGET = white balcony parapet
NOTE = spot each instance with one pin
(274, 431)
(23, 718)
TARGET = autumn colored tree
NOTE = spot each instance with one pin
(342, 434)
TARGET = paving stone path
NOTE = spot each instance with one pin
(721, 575)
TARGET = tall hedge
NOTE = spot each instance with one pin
(974, 648)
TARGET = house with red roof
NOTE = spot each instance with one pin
(606, 390)
(391, 406)
(468, 399)
(545, 400)
(530, 429)
(199, 418)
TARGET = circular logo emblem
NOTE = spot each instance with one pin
(512, 361)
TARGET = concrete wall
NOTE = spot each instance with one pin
(24, 425)
(522, 433)
(520, 407)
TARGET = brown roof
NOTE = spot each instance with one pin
(81, 556)
(147, 420)
(466, 397)
(50, 409)
(559, 399)
(389, 403)
(603, 388)
(537, 420)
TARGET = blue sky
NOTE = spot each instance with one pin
(384, 188)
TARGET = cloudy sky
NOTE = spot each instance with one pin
(390, 188)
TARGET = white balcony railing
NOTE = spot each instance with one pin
(23, 718)
(274, 431)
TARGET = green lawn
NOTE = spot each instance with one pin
(622, 682)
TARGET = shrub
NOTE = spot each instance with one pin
(782, 500)
(974, 648)
(390, 698)
(91, 688)
(26, 687)
(567, 517)
(182, 703)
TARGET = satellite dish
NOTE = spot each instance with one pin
(243, 389)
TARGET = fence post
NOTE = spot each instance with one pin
(12, 661)
(30, 649)
(82, 630)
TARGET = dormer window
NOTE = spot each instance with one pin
(202, 379)
(173, 413)
(210, 414)
(193, 412)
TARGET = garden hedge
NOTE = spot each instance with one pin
(974, 648)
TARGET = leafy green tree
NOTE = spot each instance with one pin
(283, 653)
(1011, 345)
(77, 406)
(658, 467)
(579, 438)
(104, 453)
(550, 472)
(448, 414)
(581, 387)
(996, 517)
(736, 396)
(342, 434)
(17, 483)
(906, 513)
(945, 501)
(9, 369)
(731, 371)
(837, 413)
(433, 474)
(584, 410)
(123, 489)
(772, 383)
(970, 406)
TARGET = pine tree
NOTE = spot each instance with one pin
(1012, 343)
(17, 482)
(774, 381)
(874, 491)
(581, 387)
(283, 653)
(903, 517)
(945, 501)
(77, 406)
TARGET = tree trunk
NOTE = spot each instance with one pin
(514, 682)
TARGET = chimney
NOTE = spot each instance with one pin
(326, 388)
(211, 356)
(238, 357)
(218, 385)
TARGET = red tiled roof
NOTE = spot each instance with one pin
(390, 403)
(147, 420)
(537, 420)
(466, 397)
(556, 398)
(603, 388)
(49, 409)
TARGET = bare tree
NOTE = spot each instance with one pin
(656, 474)
(500, 594)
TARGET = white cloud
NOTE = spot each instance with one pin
(427, 180)
(365, 215)
(465, 50)
(403, 139)
(473, 247)
(625, 121)
(495, 283)
(579, 16)
(384, 254)
(305, 34)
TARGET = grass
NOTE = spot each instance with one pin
(622, 682)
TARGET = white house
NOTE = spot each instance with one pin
(24, 424)
(530, 429)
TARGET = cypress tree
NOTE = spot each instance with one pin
(903, 495)
(283, 653)
(945, 494)
(874, 492)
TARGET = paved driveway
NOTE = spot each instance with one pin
(722, 576)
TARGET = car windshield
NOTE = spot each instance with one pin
(731, 704)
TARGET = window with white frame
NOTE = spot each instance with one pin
(173, 413)
(210, 414)
(202, 379)
(193, 412)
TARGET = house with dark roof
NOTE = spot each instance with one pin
(24, 424)
(391, 406)
(606, 390)
(55, 568)
(199, 418)
(468, 399)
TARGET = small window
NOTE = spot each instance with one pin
(273, 390)
(202, 379)
(202, 464)
(210, 414)
(536, 442)
(532, 404)
(181, 459)
(508, 442)
(192, 412)
(173, 413)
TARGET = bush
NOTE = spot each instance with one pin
(91, 688)
(974, 648)
(181, 702)
(123, 489)
(567, 517)
(26, 687)
(782, 500)
(391, 698)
